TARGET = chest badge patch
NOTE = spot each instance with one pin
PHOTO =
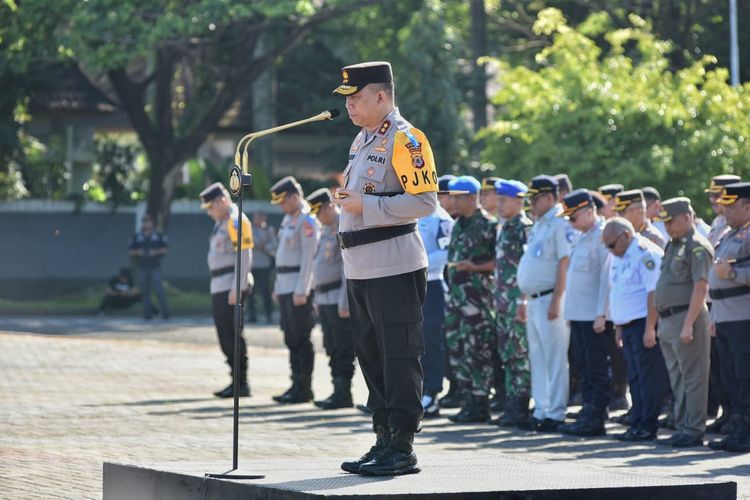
(369, 188)
(370, 172)
(381, 148)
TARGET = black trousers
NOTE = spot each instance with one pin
(595, 365)
(733, 343)
(297, 322)
(338, 341)
(387, 324)
(224, 321)
(261, 291)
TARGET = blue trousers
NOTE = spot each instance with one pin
(595, 364)
(647, 376)
(150, 279)
(433, 360)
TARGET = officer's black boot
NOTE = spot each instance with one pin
(301, 394)
(511, 411)
(341, 397)
(383, 438)
(397, 459)
(736, 422)
(282, 398)
(475, 410)
(228, 391)
(454, 398)
(589, 425)
(740, 438)
(518, 414)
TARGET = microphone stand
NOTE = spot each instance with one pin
(238, 179)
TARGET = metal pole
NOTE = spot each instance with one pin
(734, 49)
(237, 329)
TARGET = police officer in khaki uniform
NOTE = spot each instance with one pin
(222, 259)
(631, 205)
(332, 302)
(680, 299)
(390, 182)
(298, 239)
(717, 392)
(729, 284)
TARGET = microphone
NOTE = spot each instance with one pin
(242, 160)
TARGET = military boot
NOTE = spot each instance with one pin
(518, 415)
(284, 397)
(453, 398)
(475, 410)
(589, 425)
(383, 438)
(341, 397)
(511, 411)
(302, 393)
(397, 459)
(740, 439)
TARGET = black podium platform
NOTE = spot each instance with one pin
(444, 476)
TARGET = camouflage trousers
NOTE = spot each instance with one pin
(513, 350)
(471, 341)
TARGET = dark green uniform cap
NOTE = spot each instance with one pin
(674, 207)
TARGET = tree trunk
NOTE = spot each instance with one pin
(479, 80)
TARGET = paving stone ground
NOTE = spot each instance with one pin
(76, 392)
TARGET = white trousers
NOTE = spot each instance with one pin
(548, 355)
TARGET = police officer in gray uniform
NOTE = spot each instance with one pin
(298, 239)
(390, 182)
(680, 299)
(222, 259)
(332, 302)
(729, 285)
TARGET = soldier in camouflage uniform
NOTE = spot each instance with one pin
(470, 333)
(512, 343)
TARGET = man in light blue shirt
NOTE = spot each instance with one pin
(435, 230)
(634, 271)
(586, 311)
(541, 277)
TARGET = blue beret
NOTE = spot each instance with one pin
(465, 183)
(443, 181)
(512, 188)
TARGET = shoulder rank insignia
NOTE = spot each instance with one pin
(384, 127)
(648, 262)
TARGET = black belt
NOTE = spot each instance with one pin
(350, 239)
(327, 287)
(287, 269)
(215, 273)
(671, 311)
(541, 294)
(725, 293)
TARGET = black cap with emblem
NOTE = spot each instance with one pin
(734, 192)
(319, 198)
(542, 184)
(357, 76)
(719, 181)
(626, 198)
(563, 181)
(674, 207)
(286, 185)
(610, 190)
(212, 192)
(488, 183)
(578, 199)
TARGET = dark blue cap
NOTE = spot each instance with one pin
(578, 199)
(542, 184)
(513, 188)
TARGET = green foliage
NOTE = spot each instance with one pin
(618, 115)
(117, 178)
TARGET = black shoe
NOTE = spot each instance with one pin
(550, 425)
(341, 397)
(624, 419)
(381, 443)
(530, 424)
(620, 403)
(279, 397)
(685, 441)
(228, 391)
(397, 459)
(364, 409)
(716, 425)
(636, 435)
(587, 428)
(667, 422)
(302, 394)
(476, 410)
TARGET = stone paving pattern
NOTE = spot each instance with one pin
(83, 391)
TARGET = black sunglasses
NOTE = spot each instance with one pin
(612, 245)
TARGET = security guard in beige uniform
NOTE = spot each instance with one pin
(680, 299)
(298, 238)
(332, 302)
(390, 182)
(222, 259)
